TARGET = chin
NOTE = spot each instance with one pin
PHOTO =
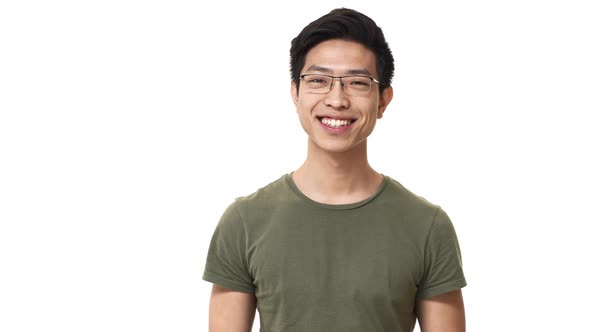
(336, 147)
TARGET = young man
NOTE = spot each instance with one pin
(335, 245)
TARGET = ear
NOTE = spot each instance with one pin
(384, 100)
(294, 94)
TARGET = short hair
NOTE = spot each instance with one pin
(346, 24)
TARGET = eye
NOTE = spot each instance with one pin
(359, 82)
(316, 79)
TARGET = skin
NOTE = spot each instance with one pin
(231, 311)
(336, 171)
(444, 313)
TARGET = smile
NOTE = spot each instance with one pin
(336, 123)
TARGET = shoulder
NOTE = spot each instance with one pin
(407, 201)
(247, 211)
(414, 213)
(274, 190)
(264, 199)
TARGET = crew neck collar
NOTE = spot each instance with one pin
(289, 179)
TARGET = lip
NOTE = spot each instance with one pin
(335, 130)
(335, 117)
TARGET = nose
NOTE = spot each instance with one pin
(336, 96)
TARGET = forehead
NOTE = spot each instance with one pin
(341, 57)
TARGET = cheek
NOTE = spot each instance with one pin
(305, 106)
(303, 112)
(300, 110)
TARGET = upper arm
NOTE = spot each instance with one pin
(231, 310)
(442, 313)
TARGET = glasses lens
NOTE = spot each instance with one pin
(317, 83)
(356, 84)
(352, 85)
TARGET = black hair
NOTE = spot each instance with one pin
(347, 24)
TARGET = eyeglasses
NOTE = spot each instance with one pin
(351, 85)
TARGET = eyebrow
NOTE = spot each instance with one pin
(348, 72)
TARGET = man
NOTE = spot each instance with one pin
(335, 245)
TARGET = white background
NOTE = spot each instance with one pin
(127, 127)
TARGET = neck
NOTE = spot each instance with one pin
(337, 177)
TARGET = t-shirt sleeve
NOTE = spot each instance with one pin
(226, 263)
(443, 269)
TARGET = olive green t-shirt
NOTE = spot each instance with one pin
(319, 267)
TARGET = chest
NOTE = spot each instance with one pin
(350, 260)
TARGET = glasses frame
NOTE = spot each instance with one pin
(373, 80)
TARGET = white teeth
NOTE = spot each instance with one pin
(335, 123)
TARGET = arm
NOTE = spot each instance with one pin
(442, 313)
(231, 311)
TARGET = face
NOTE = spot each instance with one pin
(335, 121)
